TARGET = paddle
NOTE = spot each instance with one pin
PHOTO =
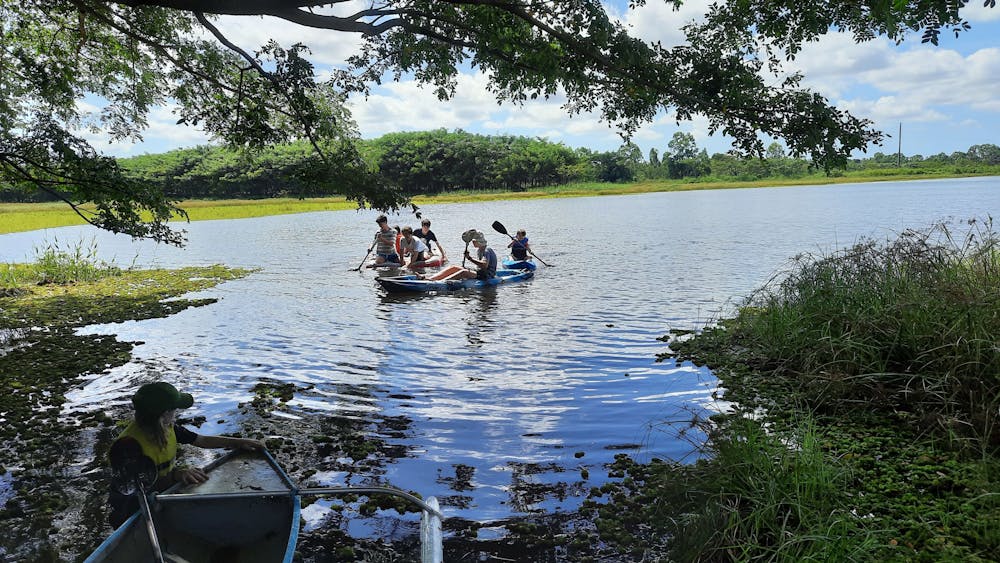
(498, 227)
(131, 472)
(365, 259)
(467, 236)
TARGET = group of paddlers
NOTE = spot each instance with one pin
(394, 245)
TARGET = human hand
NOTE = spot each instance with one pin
(249, 444)
(190, 476)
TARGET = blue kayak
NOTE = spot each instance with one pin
(515, 264)
(412, 283)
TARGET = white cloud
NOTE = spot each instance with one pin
(936, 77)
(163, 134)
(328, 47)
(977, 12)
(884, 82)
(891, 109)
(659, 22)
(406, 105)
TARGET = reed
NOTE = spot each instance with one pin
(771, 497)
(908, 324)
(56, 263)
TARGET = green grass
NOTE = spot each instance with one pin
(762, 496)
(910, 324)
(56, 264)
(20, 217)
(873, 376)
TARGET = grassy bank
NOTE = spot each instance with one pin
(866, 427)
(20, 217)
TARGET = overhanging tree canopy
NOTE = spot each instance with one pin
(142, 54)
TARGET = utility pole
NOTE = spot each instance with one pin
(899, 146)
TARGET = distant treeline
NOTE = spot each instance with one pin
(431, 162)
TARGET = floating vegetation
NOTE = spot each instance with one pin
(41, 359)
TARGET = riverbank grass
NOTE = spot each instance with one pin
(21, 217)
(866, 388)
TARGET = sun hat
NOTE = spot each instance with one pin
(480, 238)
(154, 399)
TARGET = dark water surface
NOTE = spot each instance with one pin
(494, 394)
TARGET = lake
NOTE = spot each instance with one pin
(494, 401)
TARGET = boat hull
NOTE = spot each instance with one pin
(413, 284)
(514, 264)
(248, 511)
(253, 519)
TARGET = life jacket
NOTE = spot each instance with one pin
(399, 249)
(519, 250)
(163, 457)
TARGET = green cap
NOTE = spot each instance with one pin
(157, 398)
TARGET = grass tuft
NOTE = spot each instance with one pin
(910, 324)
(55, 264)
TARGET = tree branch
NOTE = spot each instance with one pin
(278, 86)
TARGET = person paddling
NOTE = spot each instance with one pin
(385, 242)
(519, 247)
(485, 261)
(154, 434)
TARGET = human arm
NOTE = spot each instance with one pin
(194, 475)
(228, 442)
(480, 263)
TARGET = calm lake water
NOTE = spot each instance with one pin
(498, 393)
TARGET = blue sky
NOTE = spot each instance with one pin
(947, 98)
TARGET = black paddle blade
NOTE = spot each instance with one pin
(130, 466)
(498, 227)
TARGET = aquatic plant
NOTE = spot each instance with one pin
(73, 263)
(909, 324)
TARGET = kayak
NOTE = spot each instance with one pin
(247, 511)
(514, 264)
(435, 262)
(413, 283)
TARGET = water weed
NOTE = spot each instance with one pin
(872, 378)
(909, 324)
(757, 496)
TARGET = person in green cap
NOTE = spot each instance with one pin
(154, 433)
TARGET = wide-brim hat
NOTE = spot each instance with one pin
(154, 399)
